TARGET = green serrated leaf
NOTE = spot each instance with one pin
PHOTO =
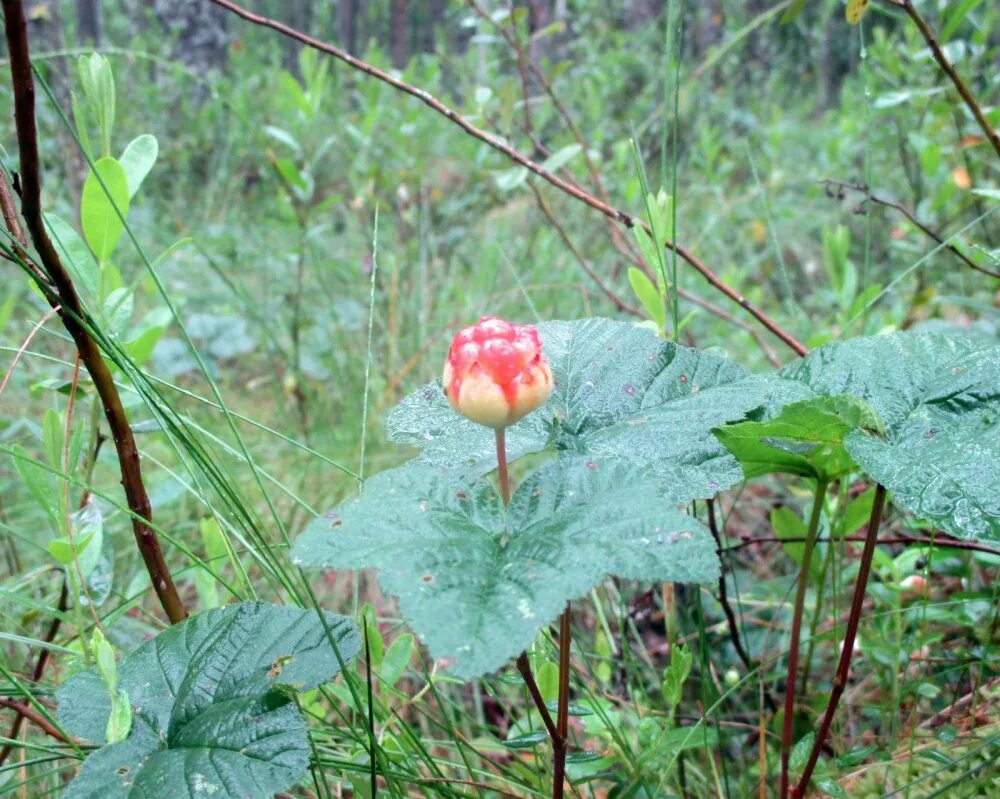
(475, 583)
(939, 401)
(138, 160)
(805, 438)
(620, 392)
(102, 226)
(207, 716)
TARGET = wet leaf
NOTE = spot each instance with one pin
(211, 714)
(938, 398)
(477, 584)
(620, 392)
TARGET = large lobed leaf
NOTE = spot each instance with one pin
(477, 583)
(938, 398)
(211, 710)
(619, 392)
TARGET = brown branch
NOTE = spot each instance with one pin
(493, 141)
(861, 188)
(543, 206)
(72, 313)
(524, 59)
(945, 543)
(32, 715)
(949, 69)
(630, 309)
(43, 658)
(524, 667)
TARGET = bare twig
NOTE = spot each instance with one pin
(861, 188)
(32, 715)
(949, 69)
(496, 143)
(945, 543)
(39, 671)
(734, 630)
(73, 315)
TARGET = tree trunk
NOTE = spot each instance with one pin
(347, 25)
(88, 20)
(200, 32)
(400, 34)
(299, 16)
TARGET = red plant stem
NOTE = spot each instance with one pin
(73, 315)
(496, 143)
(502, 465)
(788, 721)
(556, 730)
(844, 666)
(560, 744)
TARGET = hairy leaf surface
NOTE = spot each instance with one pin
(477, 583)
(939, 400)
(212, 715)
(619, 392)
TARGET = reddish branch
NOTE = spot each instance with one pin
(72, 312)
(946, 543)
(861, 188)
(495, 142)
(39, 671)
(31, 714)
(949, 69)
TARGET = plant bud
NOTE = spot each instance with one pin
(914, 585)
(495, 373)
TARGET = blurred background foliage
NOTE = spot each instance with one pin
(771, 124)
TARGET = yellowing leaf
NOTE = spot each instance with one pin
(856, 10)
